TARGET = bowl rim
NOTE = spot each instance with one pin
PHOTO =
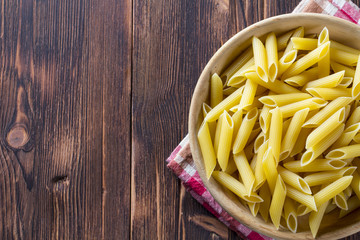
(193, 122)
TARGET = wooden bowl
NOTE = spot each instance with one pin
(339, 30)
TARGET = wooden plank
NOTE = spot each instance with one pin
(64, 156)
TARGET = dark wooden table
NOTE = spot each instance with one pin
(94, 95)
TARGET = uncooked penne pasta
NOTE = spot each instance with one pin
(216, 87)
(260, 58)
(283, 99)
(299, 32)
(311, 103)
(356, 84)
(324, 63)
(294, 180)
(275, 133)
(265, 194)
(282, 41)
(353, 203)
(260, 139)
(247, 175)
(270, 170)
(344, 48)
(307, 61)
(303, 78)
(337, 67)
(346, 58)
(260, 177)
(341, 201)
(265, 118)
(354, 117)
(303, 198)
(344, 152)
(239, 76)
(231, 167)
(317, 165)
(277, 202)
(272, 56)
(245, 130)
(304, 43)
(207, 149)
(347, 136)
(237, 119)
(290, 215)
(316, 217)
(212, 126)
(325, 177)
(329, 81)
(225, 140)
(248, 95)
(329, 93)
(285, 61)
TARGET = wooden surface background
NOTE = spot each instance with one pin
(94, 96)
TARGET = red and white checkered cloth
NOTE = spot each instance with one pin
(181, 162)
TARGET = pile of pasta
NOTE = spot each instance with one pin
(281, 129)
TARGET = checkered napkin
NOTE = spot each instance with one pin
(181, 162)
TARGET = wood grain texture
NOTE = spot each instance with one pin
(94, 95)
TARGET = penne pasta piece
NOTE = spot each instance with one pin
(277, 202)
(256, 104)
(348, 191)
(285, 61)
(285, 127)
(354, 117)
(237, 64)
(265, 118)
(355, 184)
(229, 90)
(235, 186)
(248, 95)
(345, 82)
(346, 58)
(216, 93)
(337, 67)
(353, 203)
(265, 194)
(294, 180)
(254, 208)
(344, 152)
(304, 43)
(231, 167)
(272, 55)
(253, 163)
(260, 177)
(217, 135)
(247, 175)
(237, 119)
(225, 140)
(332, 190)
(329, 81)
(317, 165)
(212, 126)
(302, 210)
(347, 136)
(343, 47)
(311, 103)
(260, 58)
(303, 78)
(292, 133)
(276, 86)
(356, 84)
(319, 133)
(260, 139)
(283, 99)
(275, 133)
(347, 111)
(299, 32)
(239, 75)
(330, 207)
(245, 130)
(329, 93)
(290, 215)
(207, 149)
(269, 168)
(226, 104)
(307, 61)
(283, 40)
(341, 201)
(327, 111)
(357, 138)
(314, 152)
(316, 217)
(300, 197)
(324, 63)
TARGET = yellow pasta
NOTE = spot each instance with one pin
(283, 99)
(329, 81)
(327, 111)
(264, 119)
(260, 139)
(327, 176)
(303, 78)
(347, 136)
(314, 152)
(239, 76)
(277, 201)
(341, 201)
(276, 86)
(260, 177)
(311, 103)
(212, 125)
(332, 190)
(272, 56)
(269, 168)
(346, 58)
(345, 82)
(225, 140)
(307, 61)
(292, 133)
(207, 149)
(303, 198)
(294, 180)
(356, 85)
(254, 208)
(337, 67)
(329, 93)
(265, 194)
(283, 40)
(248, 95)
(316, 166)
(324, 63)
(344, 48)
(285, 61)
(316, 217)
(290, 215)
(275, 132)
(231, 167)
(245, 171)
(344, 152)
(235, 186)
(260, 59)
(353, 203)
(325, 128)
(216, 87)
(304, 43)
(299, 32)
(245, 130)
(354, 117)
(217, 134)
(237, 119)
